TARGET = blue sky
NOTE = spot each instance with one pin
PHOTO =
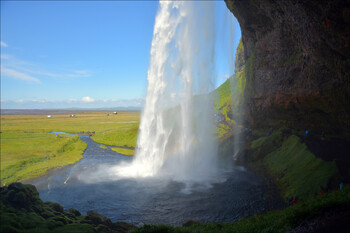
(85, 54)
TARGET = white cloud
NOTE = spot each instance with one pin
(223, 76)
(79, 74)
(72, 101)
(5, 56)
(85, 102)
(87, 99)
(20, 101)
(3, 44)
(18, 75)
(13, 63)
(40, 101)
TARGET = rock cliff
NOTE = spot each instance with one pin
(299, 63)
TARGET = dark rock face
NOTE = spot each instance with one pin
(299, 52)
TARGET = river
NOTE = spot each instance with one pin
(150, 200)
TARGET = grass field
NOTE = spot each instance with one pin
(124, 151)
(28, 149)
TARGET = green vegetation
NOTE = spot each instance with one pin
(273, 221)
(103, 147)
(297, 172)
(123, 135)
(29, 150)
(22, 210)
(227, 102)
(239, 60)
(100, 123)
(124, 151)
(223, 93)
(290, 60)
(26, 158)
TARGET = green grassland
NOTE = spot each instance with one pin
(28, 149)
(29, 157)
(123, 134)
(124, 151)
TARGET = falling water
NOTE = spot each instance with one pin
(176, 136)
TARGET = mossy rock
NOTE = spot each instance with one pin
(96, 219)
(102, 228)
(55, 206)
(75, 212)
(83, 228)
(122, 226)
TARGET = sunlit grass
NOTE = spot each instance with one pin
(120, 135)
(124, 151)
(28, 149)
(23, 159)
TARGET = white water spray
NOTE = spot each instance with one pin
(176, 135)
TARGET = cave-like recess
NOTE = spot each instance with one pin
(299, 63)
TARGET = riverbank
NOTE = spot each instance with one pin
(24, 159)
(29, 149)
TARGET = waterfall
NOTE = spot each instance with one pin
(176, 134)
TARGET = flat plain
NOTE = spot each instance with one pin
(29, 149)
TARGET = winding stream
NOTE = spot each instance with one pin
(151, 200)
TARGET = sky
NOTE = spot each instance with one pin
(86, 54)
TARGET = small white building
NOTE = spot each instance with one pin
(49, 116)
(73, 115)
(115, 113)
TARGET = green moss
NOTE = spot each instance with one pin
(238, 84)
(239, 60)
(249, 76)
(231, 97)
(292, 59)
(154, 229)
(265, 145)
(223, 94)
(299, 172)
